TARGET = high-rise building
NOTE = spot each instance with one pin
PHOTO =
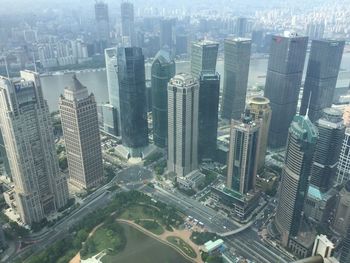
(241, 26)
(181, 44)
(167, 33)
(343, 169)
(128, 25)
(323, 247)
(330, 138)
(242, 163)
(209, 89)
(321, 77)
(260, 110)
(301, 142)
(341, 221)
(345, 251)
(283, 80)
(163, 69)
(3, 156)
(315, 30)
(113, 91)
(183, 94)
(27, 131)
(81, 135)
(203, 57)
(132, 98)
(236, 70)
(102, 25)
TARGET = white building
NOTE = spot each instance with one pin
(183, 92)
(343, 169)
(27, 130)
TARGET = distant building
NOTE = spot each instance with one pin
(242, 161)
(132, 99)
(203, 57)
(128, 24)
(321, 77)
(236, 70)
(323, 247)
(27, 131)
(260, 110)
(102, 25)
(81, 135)
(181, 44)
(283, 81)
(342, 214)
(209, 89)
(343, 168)
(295, 173)
(163, 69)
(241, 26)
(345, 251)
(167, 33)
(183, 94)
(315, 30)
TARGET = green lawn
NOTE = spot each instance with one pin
(151, 226)
(186, 248)
(135, 212)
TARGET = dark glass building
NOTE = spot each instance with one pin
(321, 77)
(331, 132)
(163, 69)
(132, 97)
(203, 57)
(295, 173)
(209, 89)
(283, 80)
(166, 33)
(102, 26)
(236, 70)
(127, 21)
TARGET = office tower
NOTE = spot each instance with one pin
(295, 173)
(323, 247)
(81, 135)
(242, 160)
(132, 98)
(330, 138)
(283, 80)
(209, 89)
(345, 251)
(203, 57)
(27, 131)
(181, 43)
(342, 214)
(166, 33)
(259, 108)
(183, 94)
(113, 92)
(102, 25)
(346, 116)
(3, 156)
(343, 169)
(163, 69)
(128, 26)
(241, 26)
(236, 70)
(321, 77)
(315, 30)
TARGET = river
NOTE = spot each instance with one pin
(142, 248)
(96, 80)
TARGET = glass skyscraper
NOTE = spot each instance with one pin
(295, 173)
(128, 25)
(203, 57)
(283, 80)
(343, 169)
(236, 70)
(132, 97)
(321, 77)
(163, 69)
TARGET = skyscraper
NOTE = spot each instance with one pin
(102, 25)
(345, 251)
(209, 89)
(321, 76)
(81, 135)
(132, 98)
(242, 160)
(113, 89)
(301, 142)
(128, 26)
(203, 57)
(341, 221)
(343, 169)
(283, 80)
(163, 69)
(27, 131)
(260, 110)
(330, 138)
(167, 33)
(236, 70)
(183, 93)
(241, 26)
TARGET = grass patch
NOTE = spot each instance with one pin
(182, 245)
(136, 212)
(151, 226)
(199, 238)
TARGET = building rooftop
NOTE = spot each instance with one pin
(212, 245)
(183, 80)
(75, 84)
(259, 100)
(206, 42)
(303, 128)
(164, 57)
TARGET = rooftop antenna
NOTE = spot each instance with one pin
(308, 106)
(35, 69)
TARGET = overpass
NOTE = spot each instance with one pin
(236, 231)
